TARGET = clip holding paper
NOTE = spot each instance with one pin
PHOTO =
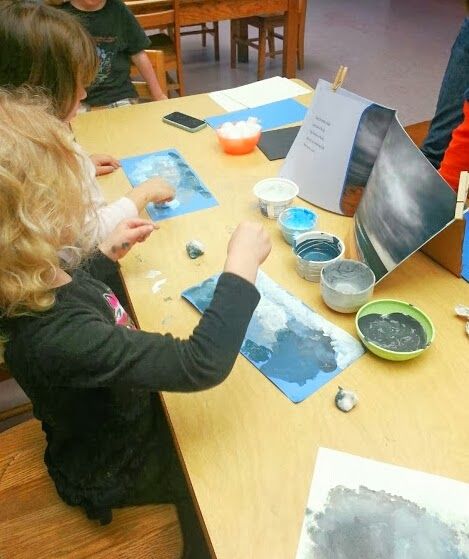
(339, 77)
(462, 194)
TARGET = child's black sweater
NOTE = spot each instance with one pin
(91, 379)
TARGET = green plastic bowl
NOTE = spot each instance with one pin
(388, 306)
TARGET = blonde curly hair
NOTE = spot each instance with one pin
(43, 202)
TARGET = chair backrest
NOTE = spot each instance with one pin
(158, 14)
(157, 61)
(153, 14)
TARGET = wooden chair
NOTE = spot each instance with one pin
(205, 30)
(14, 404)
(153, 16)
(157, 61)
(266, 26)
(34, 522)
(418, 131)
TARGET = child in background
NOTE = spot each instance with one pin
(449, 109)
(47, 48)
(456, 157)
(119, 41)
(68, 342)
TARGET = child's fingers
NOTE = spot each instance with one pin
(112, 161)
(142, 231)
(105, 169)
(138, 222)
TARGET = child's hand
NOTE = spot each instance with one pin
(125, 235)
(156, 190)
(248, 247)
(161, 97)
(104, 164)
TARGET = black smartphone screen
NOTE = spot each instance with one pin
(185, 120)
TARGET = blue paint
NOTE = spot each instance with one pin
(295, 221)
(318, 250)
(300, 219)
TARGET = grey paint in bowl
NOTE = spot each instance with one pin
(346, 285)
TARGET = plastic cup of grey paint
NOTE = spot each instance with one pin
(346, 285)
(275, 195)
(314, 250)
(294, 221)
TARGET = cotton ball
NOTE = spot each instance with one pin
(227, 130)
(253, 125)
(462, 310)
(345, 400)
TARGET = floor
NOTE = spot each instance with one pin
(396, 51)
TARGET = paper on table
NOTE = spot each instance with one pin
(272, 115)
(318, 160)
(357, 503)
(225, 102)
(265, 91)
(294, 347)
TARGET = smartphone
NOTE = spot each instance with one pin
(186, 122)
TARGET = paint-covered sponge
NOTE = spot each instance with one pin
(345, 400)
(195, 249)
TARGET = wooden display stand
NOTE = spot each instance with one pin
(446, 248)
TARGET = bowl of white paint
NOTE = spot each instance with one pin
(346, 285)
(275, 195)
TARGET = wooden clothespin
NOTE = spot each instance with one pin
(462, 194)
(339, 77)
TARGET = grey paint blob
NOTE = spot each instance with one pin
(395, 331)
(367, 524)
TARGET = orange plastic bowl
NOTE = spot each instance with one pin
(238, 146)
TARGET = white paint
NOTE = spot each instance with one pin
(275, 190)
(158, 284)
(151, 274)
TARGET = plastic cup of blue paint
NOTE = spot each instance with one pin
(295, 221)
(314, 250)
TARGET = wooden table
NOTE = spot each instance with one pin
(193, 12)
(249, 452)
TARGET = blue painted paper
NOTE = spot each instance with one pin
(270, 116)
(294, 347)
(465, 249)
(191, 193)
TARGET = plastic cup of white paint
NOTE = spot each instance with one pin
(275, 195)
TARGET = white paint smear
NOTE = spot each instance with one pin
(158, 284)
(153, 274)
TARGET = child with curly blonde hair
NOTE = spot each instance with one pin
(90, 375)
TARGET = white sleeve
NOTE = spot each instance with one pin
(104, 217)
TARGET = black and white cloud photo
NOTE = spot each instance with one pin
(406, 203)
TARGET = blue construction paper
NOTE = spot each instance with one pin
(294, 347)
(270, 116)
(191, 193)
(465, 249)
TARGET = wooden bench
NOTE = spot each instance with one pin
(35, 523)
